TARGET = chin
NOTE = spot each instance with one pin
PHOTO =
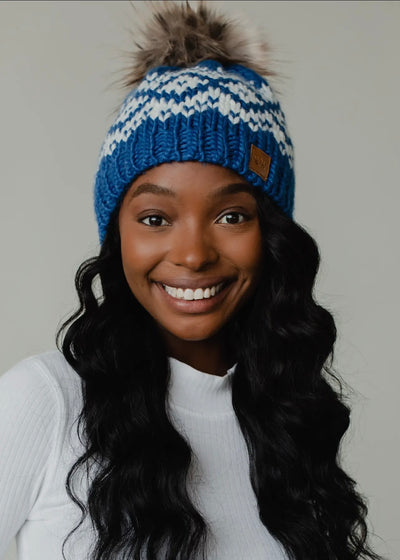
(193, 337)
(195, 334)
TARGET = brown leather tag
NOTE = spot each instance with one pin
(259, 162)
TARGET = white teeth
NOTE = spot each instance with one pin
(189, 294)
(179, 293)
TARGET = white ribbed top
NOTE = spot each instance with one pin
(200, 392)
(40, 399)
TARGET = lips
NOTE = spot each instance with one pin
(202, 296)
(189, 294)
(192, 284)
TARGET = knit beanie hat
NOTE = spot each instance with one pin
(200, 94)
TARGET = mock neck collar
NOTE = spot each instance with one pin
(199, 391)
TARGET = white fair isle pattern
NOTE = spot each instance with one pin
(245, 96)
(144, 104)
(203, 76)
(186, 80)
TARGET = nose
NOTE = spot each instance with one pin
(193, 248)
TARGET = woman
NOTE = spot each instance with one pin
(192, 411)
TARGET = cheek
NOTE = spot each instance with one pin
(139, 257)
(246, 252)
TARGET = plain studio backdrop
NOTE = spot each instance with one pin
(58, 62)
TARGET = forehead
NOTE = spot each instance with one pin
(195, 179)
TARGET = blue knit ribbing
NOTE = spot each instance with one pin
(206, 113)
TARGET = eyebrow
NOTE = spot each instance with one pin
(225, 190)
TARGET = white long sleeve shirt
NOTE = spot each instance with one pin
(40, 399)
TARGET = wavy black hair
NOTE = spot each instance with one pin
(288, 400)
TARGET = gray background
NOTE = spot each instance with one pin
(340, 94)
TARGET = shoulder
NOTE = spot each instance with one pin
(44, 384)
(49, 369)
(39, 400)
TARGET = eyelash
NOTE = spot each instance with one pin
(245, 218)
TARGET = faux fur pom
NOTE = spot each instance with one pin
(178, 34)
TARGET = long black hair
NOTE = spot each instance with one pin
(288, 400)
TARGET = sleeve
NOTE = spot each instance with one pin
(29, 407)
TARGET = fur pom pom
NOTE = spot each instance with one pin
(179, 35)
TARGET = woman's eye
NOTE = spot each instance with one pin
(232, 218)
(154, 221)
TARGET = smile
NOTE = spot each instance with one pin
(188, 294)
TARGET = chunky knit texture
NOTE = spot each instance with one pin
(206, 113)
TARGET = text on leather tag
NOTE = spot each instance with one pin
(259, 162)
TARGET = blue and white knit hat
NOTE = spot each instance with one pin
(225, 114)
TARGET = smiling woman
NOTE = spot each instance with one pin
(192, 412)
(191, 254)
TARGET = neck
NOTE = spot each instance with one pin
(211, 356)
